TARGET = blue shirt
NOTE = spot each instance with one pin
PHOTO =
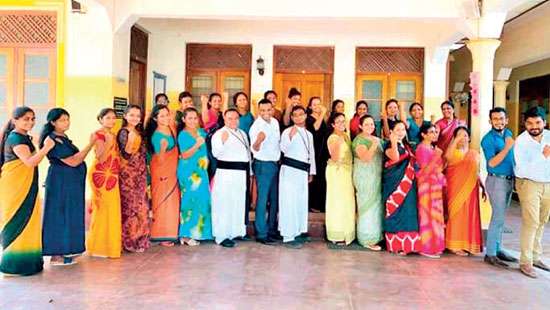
(492, 143)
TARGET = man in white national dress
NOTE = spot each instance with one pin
(230, 191)
(297, 170)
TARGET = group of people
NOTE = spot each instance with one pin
(401, 183)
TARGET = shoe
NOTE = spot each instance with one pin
(227, 243)
(68, 261)
(528, 270)
(507, 258)
(539, 264)
(243, 238)
(495, 261)
(266, 241)
(303, 238)
(276, 237)
(293, 244)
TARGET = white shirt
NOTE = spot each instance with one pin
(300, 147)
(269, 148)
(530, 162)
(236, 147)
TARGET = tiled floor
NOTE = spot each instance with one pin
(253, 276)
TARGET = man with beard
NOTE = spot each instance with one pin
(532, 170)
(498, 146)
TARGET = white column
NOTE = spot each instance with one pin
(500, 93)
(344, 75)
(483, 55)
(435, 80)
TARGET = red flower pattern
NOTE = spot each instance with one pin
(106, 173)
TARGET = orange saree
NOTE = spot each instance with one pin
(463, 231)
(165, 190)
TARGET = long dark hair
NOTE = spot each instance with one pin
(103, 112)
(53, 115)
(359, 103)
(9, 127)
(363, 118)
(405, 140)
(331, 121)
(212, 95)
(310, 102)
(293, 92)
(181, 124)
(139, 127)
(334, 104)
(424, 129)
(151, 125)
(236, 96)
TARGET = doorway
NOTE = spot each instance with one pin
(307, 68)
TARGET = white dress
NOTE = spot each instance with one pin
(229, 186)
(293, 183)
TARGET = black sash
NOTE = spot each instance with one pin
(244, 166)
(291, 162)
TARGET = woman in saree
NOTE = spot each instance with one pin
(63, 232)
(104, 236)
(133, 182)
(431, 181)
(165, 191)
(240, 101)
(415, 122)
(399, 193)
(393, 112)
(447, 125)
(361, 109)
(340, 206)
(367, 178)
(316, 124)
(463, 232)
(195, 214)
(20, 216)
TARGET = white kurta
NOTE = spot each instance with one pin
(229, 188)
(293, 184)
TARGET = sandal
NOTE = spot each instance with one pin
(375, 247)
(167, 244)
(189, 242)
(461, 253)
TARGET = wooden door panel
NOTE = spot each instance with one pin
(374, 89)
(309, 85)
(233, 82)
(7, 82)
(136, 83)
(406, 87)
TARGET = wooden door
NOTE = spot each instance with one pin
(7, 90)
(36, 74)
(233, 82)
(137, 82)
(374, 89)
(310, 85)
(406, 88)
(378, 88)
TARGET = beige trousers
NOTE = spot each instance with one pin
(534, 198)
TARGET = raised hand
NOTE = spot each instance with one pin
(546, 151)
(204, 100)
(49, 143)
(509, 142)
(225, 136)
(261, 137)
(199, 141)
